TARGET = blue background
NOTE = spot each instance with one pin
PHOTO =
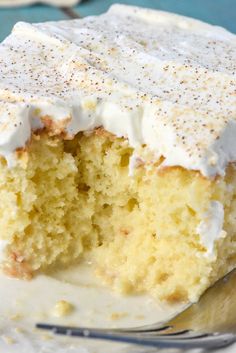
(220, 12)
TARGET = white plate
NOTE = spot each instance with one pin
(28, 2)
(23, 303)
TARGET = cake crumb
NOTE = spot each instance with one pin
(19, 330)
(140, 317)
(16, 317)
(46, 337)
(118, 316)
(8, 339)
(62, 308)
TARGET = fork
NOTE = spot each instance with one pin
(208, 324)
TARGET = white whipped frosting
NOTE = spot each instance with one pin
(211, 227)
(153, 77)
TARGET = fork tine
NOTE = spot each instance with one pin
(115, 330)
(207, 341)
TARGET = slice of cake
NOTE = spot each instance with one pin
(118, 145)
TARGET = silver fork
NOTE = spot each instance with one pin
(208, 324)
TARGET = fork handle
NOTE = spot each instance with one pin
(206, 341)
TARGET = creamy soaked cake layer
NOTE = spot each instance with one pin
(153, 77)
(72, 200)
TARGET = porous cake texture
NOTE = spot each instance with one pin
(117, 144)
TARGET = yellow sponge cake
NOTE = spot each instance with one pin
(118, 144)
